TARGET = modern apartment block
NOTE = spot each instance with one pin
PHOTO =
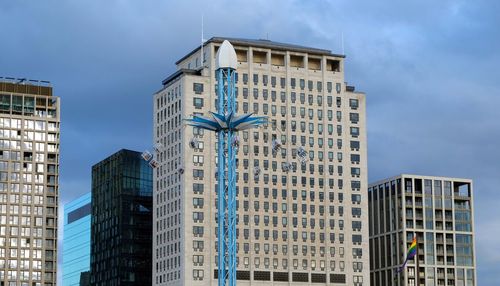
(76, 239)
(440, 213)
(29, 171)
(297, 223)
(121, 221)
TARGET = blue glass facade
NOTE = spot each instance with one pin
(76, 240)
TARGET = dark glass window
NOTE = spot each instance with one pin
(79, 213)
(198, 88)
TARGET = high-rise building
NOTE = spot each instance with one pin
(76, 239)
(439, 212)
(302, 214)
(29, 171)
(121, 221)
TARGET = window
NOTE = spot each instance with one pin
(356, 225)
(357, 266)
(356, 212)
(353, 103)
(198, 202)
(198, 88)
(355, 171)
(198, 188)
(357, 239)
(198, 245)
(355, 145)
(198, 102)
(354, 117)
(198, 174)
(198, 159)
(355, 158)
(265, 80)
(355, 131)
(356, 199)
(255, 108)
(198, 216)
(356, 185)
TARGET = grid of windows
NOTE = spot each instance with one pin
(29, 167)
(167, 216)
(290, 214)
(438, 211)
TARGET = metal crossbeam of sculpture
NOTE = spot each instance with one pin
(226, 123)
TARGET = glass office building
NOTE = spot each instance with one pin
(76, 241)
(121, 226)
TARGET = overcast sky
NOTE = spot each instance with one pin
(429, 69)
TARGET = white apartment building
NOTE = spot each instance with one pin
(305, 225)
(439, 211)
(29, 171)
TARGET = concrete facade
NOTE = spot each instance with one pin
(305, 226)
(440, 212)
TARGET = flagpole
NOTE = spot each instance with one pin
(418, 265)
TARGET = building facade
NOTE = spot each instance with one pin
(298, 223)
(121, 221)
(76, 239)
(29, 174)
(440, 213)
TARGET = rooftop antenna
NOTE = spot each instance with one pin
(343, 51)
(202, 58)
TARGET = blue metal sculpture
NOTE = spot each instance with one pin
(226, 123)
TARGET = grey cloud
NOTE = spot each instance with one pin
(429, 69)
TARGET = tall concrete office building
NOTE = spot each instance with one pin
(297, 223)
(439, 212)
(76, 239)
(29, 170)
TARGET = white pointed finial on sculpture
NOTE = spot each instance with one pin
(226, 56)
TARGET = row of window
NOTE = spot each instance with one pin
(198, 217)
(282, 83)
(199, 175)
(266, 233)
(198, 188)
(28, 124)
(198, 102)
